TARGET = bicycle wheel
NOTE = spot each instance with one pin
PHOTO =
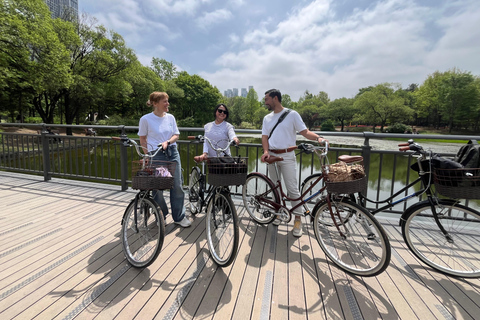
(222, 228)
(194, 186)
(362, 248)
(457, 256)
(257, 186)
(142, 242)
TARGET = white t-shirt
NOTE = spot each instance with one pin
(218, 132)
(157, 129)
(285, 135)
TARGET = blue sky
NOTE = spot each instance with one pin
(336, 46)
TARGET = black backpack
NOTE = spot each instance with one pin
(469, 155)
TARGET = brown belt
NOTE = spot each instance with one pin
(277, 151)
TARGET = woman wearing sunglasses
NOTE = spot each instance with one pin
(219, 130)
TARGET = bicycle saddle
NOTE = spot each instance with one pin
(349, 159)
(273, 159)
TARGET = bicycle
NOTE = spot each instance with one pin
(221, 215)
(348, 234)
(437, 231)
(143, 224)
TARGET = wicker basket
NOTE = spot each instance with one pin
(343, 178)
(458, 183)
(157, 175)
(227, 171)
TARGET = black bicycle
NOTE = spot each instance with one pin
(442, 233)
(221, 215)
(143, 224)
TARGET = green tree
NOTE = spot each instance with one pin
(451, 98)
(200, 97)
(341, 110)
(164, 69)
(382, 105)
(35, 64)
(252, 105)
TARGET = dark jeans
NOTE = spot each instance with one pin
(176, 193)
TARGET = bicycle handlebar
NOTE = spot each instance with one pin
(127, 142)
(219, 150)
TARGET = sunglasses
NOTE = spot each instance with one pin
(222, 111)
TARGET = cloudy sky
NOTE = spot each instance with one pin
(336, 46)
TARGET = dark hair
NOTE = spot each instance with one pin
(216, 108)
(275, 93)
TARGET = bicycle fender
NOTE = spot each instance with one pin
(268, 179)
(414, 207)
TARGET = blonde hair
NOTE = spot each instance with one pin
(155, 97)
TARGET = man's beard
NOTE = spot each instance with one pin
(269, 107)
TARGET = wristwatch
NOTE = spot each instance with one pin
(168, 142)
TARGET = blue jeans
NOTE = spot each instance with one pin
(176, 193)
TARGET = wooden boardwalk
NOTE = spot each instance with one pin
(61, 258)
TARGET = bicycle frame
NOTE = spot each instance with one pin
(426, 180)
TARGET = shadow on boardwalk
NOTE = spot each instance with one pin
(61, 258)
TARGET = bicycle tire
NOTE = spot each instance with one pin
(256, 185)
(195, 203)
(142, 246)
(424, 238)
(365, 251)
(222, 228)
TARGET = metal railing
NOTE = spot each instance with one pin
(101, 159)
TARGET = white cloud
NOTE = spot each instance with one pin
(314, 50)
(208, 19)
(176, 7)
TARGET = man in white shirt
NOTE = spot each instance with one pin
(283, 137)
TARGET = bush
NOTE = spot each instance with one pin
(246, 125)
(188, 122)
(399, 128)
(327, 125)
(33, 120)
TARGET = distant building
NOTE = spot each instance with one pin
(244, 92)
(63, 8)
(229, 93)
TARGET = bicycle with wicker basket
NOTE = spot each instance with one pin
(348, 234)
(221, 214)
(442, 233)
(143, 224)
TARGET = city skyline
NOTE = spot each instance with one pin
(233, 92)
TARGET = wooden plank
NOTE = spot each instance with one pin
(183, 283)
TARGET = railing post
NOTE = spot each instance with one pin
(123, 160)
(367, 152)
(45, 153)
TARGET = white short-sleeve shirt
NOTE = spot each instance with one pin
(157, 129)
(216, 133)
(285, 135)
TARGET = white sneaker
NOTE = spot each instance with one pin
(276, 222)
(184, 222)
(297, 228)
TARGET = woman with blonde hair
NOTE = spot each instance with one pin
(160, 128)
